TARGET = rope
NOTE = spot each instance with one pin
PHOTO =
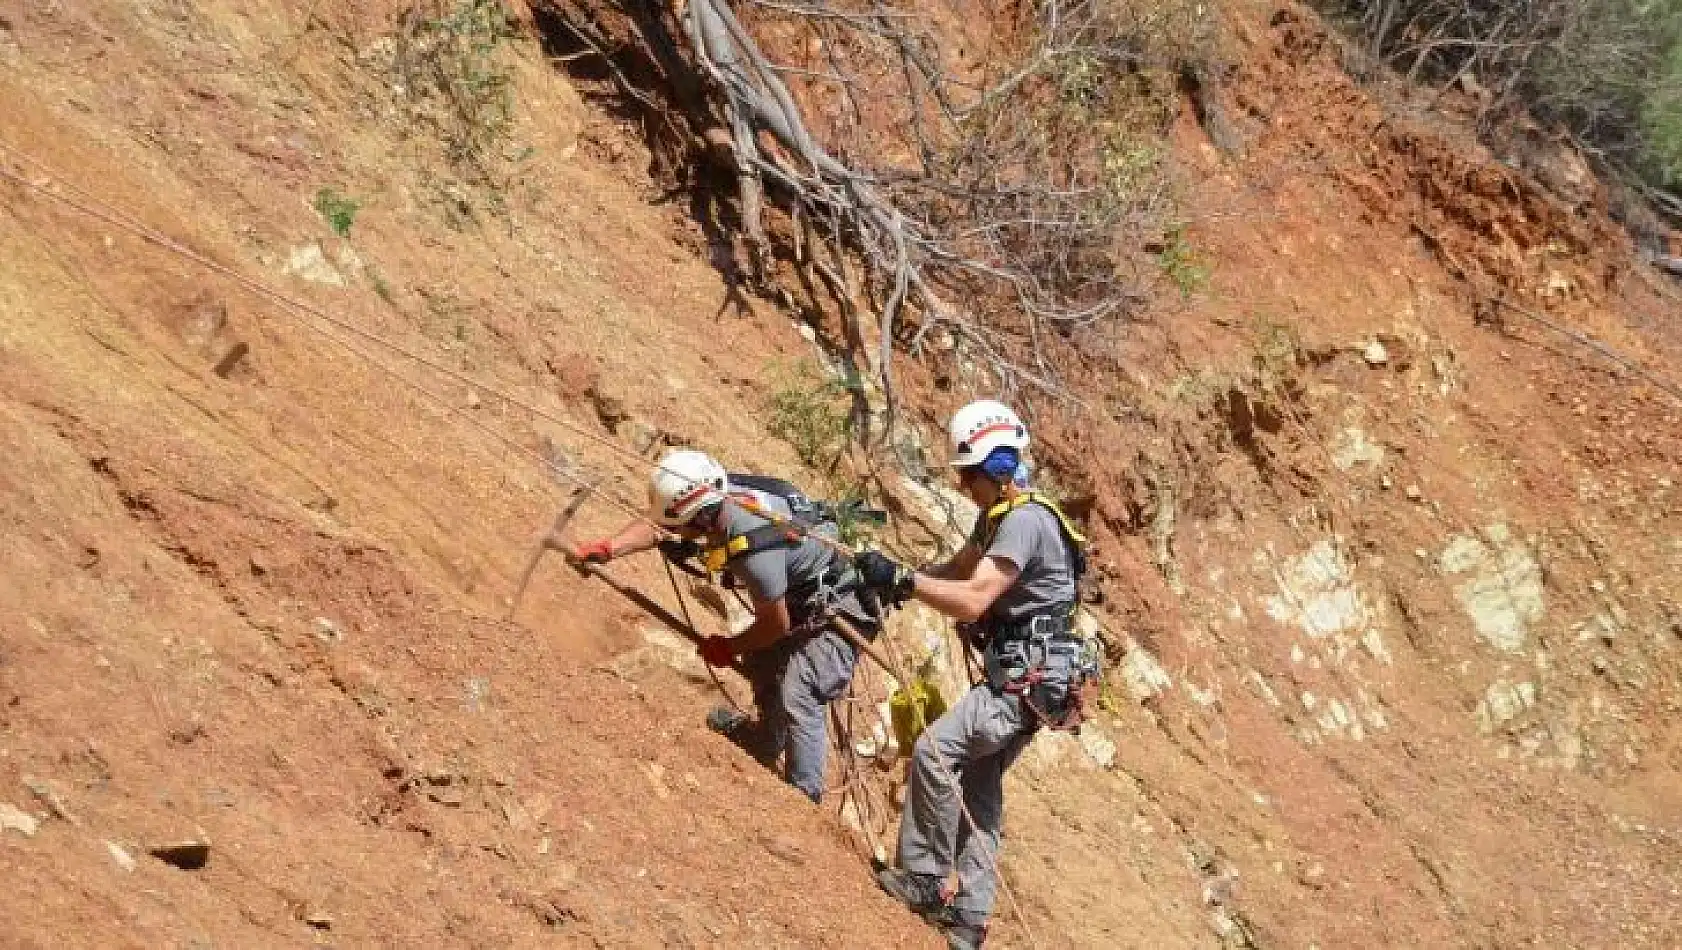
(991, 859)
(854, 786)
(1583, 339)
(79, 201)
(683, 605)
(82, 202)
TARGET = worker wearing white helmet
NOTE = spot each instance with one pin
(759, 530)
(1013, 587)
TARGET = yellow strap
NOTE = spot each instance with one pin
(715, 558)
(997, 513)
(732, 546)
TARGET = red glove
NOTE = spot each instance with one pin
(599, 551)
(718, 651)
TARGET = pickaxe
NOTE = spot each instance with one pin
(553, 541)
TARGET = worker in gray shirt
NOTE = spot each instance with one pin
(792, 654)
(1013, 585)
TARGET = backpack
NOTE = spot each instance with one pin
(806, 511)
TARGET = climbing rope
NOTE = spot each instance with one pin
(1584, 340)
(342, 333)
(70, 196)
(989, 857)
(683, 605)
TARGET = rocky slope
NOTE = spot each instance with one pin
(1397, 565)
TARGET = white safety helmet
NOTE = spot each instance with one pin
(982, 426)
(685, 482)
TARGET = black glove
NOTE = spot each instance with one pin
(892, 581)
(677, 550)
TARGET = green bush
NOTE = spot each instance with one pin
(1607, 71)
(451, 59)
(808, 409)
(337, 210)
(1661, 119)
(1182, 264)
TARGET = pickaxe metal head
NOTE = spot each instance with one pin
(553, 541)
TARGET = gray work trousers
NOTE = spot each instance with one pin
(964, 752)
(793, 684)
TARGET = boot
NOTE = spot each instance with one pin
(746, 732)
(726, 721)
(964, 936)
(964, 930)
(920, 892)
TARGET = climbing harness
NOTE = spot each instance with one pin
(1041, 658)
(1048, 666)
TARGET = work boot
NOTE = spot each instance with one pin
(726, 721)
(747, 733)
(964, 936)
(964, 930)
(920, 892)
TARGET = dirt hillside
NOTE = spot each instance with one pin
(1392, 565)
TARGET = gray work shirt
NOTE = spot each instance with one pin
(769, 574)
(1030, 538)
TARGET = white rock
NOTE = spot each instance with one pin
(327, 631)
(1317, 592)
(1051, 753)
(16, 819)
(1503, 702)
(1259, 683)
(639, 434)
(1503, 595)
(120, 855)
(1100, 748)
(310, 264)
(1206, 698)
(1340, 714)
(1353, 447)
(1143, 675)
(1375, 354)
(1373, 642)
(942, 505)
(667, 648)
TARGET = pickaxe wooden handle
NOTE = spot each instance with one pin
(851, 634)
(650, 607)
(551, 541)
